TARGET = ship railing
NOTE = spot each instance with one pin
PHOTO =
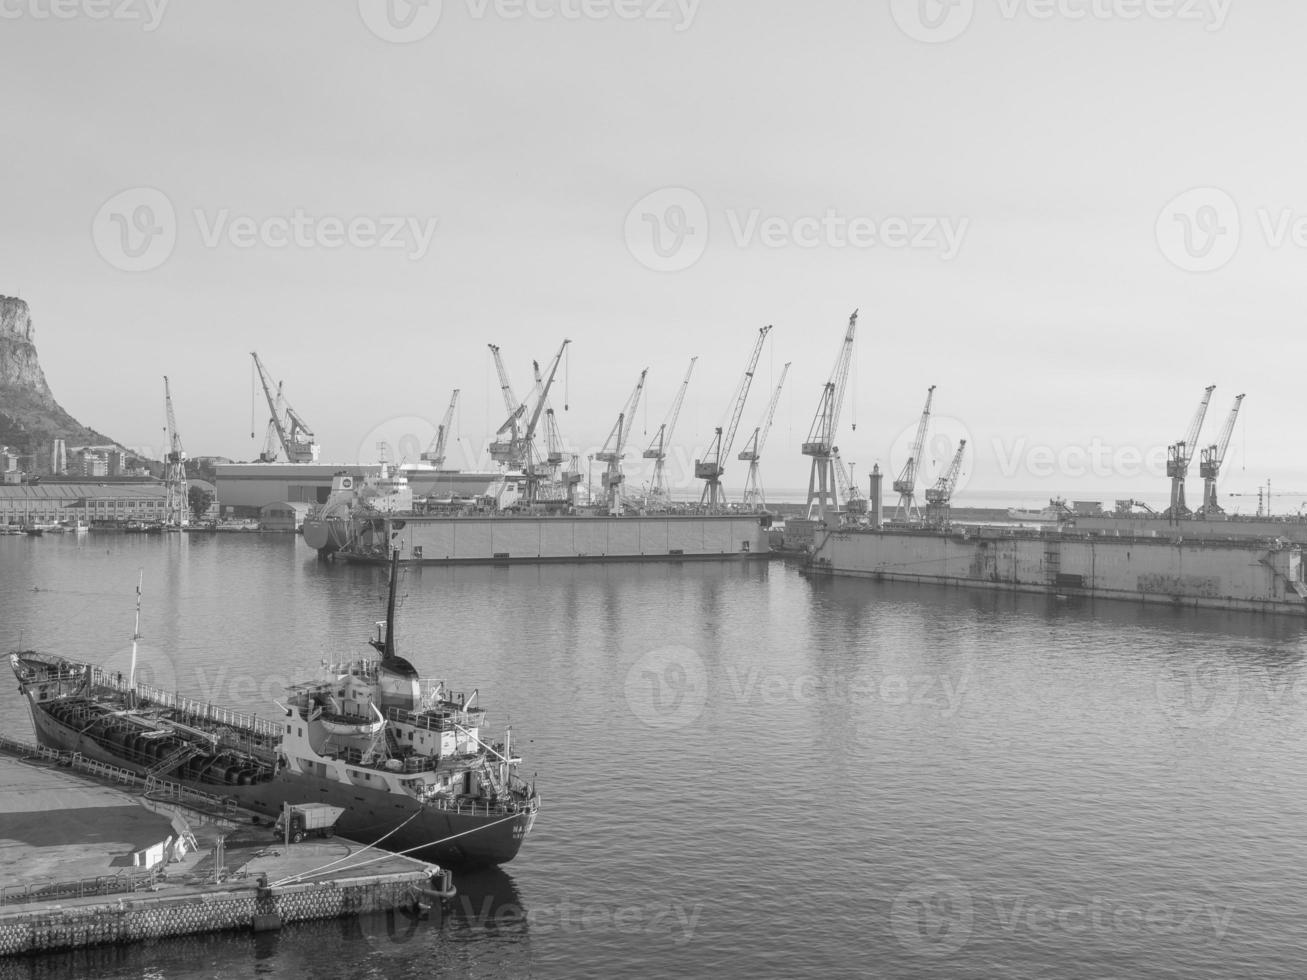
(49, 889)
(202, 710)
(74, 760)
(464, 806)
(439, 719)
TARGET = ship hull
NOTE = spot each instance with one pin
(399, 824)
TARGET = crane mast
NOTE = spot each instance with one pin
(854, 502)
(615, 447)
(711, 467)
(752, 452)
(436, 454)
(939, 496)
(1211, 458)
(906, 484)
(291, 432)
(176, 503)
(659, 492)
(513, 453)
(820, 444)
(1178, 456)
(536, 474)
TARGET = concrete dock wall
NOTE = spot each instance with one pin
(1258, 576)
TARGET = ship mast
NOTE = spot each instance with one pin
(386, 647)
(136, 635)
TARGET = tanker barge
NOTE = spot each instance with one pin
(1238, 574)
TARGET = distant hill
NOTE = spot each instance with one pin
(30, 418)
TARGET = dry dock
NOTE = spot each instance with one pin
(84, 862)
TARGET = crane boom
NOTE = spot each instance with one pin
(615, 448)
(176, 504)
(293, 434)
(659, 492)
(436, 454)
(534, 476)
(752, 452)
(512, 453)
(906, 484)
(711, 467)
(1179, 455)
(940, 495)
(823, 487)
(1211, 459)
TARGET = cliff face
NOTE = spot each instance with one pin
(30, 418)
(19, 366)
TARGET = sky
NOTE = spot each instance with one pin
(1071, 216)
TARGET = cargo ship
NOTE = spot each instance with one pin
(404, 758)
(363, 523)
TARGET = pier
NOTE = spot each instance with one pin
(89, 857)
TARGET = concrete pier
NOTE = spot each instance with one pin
(84, 862)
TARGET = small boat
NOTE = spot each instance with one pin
(1055, 512)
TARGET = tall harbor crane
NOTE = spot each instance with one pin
(285, 428)
(615, 448)
(1178, 456)
(855, 504)
(660, 494)
(939, 496)
(711, 467)
(752, 451)
(511, 453)
(176, 502)
(556, 453)
(436, 454)
(1210, 460)
(906, 484)
(535, 470)
(820, 444)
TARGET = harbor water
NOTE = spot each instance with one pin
(749, 773)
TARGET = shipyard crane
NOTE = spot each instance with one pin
(1210, 460)
(436, 454)
(176, 503)
(752, 452)
(512, 453)
(294, 437)
(712, 466)
(536, 475)
(659, 492)
(906, 484)
(615, 447)
(855, 504)
(939, 496)
(820, 444)
(1178, 456)
(556, 453)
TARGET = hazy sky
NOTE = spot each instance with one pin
(369, 192)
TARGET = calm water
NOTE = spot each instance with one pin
(750, 774)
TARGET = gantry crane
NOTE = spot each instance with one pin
(712, 466)
(1210, 460)
(659, 493)
(939, 496)
(536, 472)
(176, 502)
(1178, 456)
(436, 454)
(615, 448)
(752, 451)
(906, 484)
(513, 453)
(820, 444)
(294, 437)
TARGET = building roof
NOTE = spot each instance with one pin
(79, 491)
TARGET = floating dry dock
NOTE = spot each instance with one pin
(85, 863)
(1244, 574)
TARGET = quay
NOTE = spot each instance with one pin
(90, 854)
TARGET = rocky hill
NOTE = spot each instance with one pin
(30, 418)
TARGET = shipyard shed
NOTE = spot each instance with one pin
(285, 515)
